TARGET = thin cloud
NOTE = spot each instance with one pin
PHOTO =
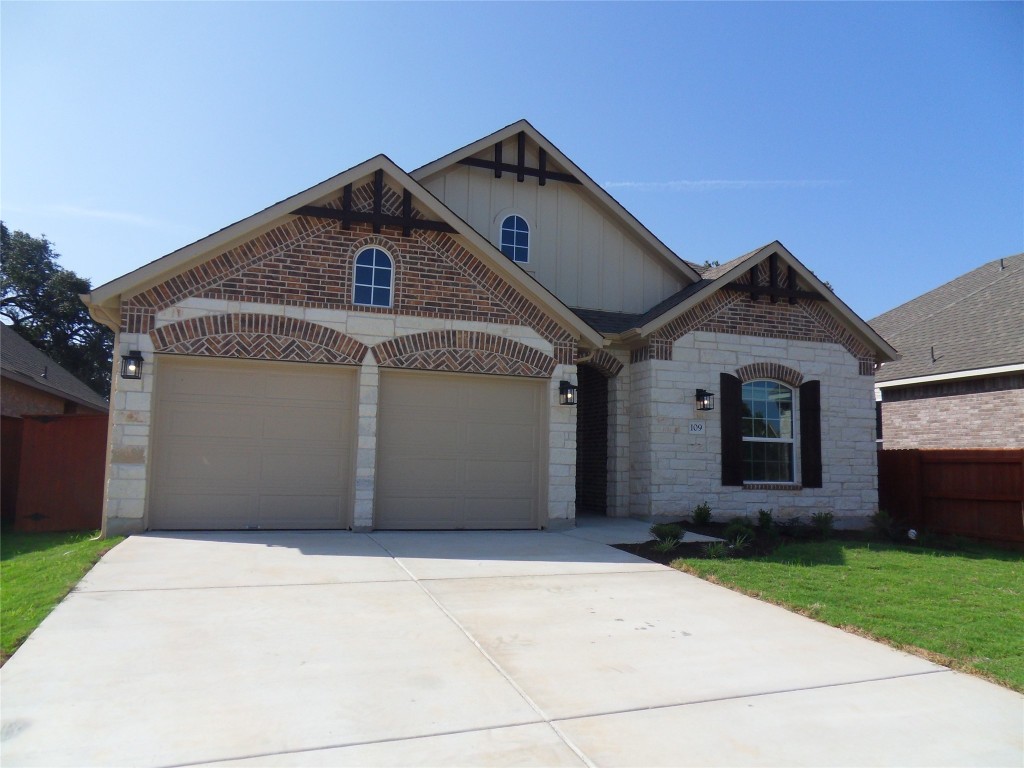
(712, 185)
(105, 215)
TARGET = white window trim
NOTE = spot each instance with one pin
(499, 222)
(391, 280)
(794, 440)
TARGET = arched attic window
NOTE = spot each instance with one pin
(374, 278)
(515, 238)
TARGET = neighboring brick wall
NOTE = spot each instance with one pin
(975, 413)
(22, 400)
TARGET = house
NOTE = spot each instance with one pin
(960, 380)
(31, 384)
(489, 341)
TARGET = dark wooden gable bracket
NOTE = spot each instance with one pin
(346, 215)
(773, 290)
(519, 167)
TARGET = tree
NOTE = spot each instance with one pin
(40, 298)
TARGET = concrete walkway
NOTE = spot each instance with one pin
(476, 649)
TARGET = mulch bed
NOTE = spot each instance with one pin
(763, 544)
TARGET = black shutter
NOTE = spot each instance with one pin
(810, 433)
(732, 429)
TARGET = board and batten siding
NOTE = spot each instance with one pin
(582, 255)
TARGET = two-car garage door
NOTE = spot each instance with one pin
(272, 445)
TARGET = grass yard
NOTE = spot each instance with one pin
(961, 609)
(36, 571)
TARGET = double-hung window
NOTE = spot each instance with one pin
(767, 432)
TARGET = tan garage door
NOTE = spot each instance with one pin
(252, 445)
(459, 451)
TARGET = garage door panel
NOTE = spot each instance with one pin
(208, 420)
(458, 451)
(316, 511)
(503, 439)
(309, 387)
(304, 424)
(489, 512)
(187, 510)
(301, 469)
(220, 383)
(482, 474)
(212, 465)
(234, 450)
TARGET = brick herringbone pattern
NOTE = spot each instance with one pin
(464, 352)
(259, 337)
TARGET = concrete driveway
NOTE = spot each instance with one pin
(477, 649)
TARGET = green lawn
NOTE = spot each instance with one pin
(36, 571)
(962, 609)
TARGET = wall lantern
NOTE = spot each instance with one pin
(705, 400)
(568, 394)
(131, 365)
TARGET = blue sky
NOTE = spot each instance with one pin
(882, 143)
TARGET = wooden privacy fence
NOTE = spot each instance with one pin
(976, 493)
(60, 480)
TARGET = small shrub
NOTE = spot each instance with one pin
(765, 521)
(666, 545)
(738, 526)
(702, 514)
(667, 531)
(823, 524)
(741, 541)
(716, 550)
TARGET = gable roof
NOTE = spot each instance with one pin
(104, 301)
(717, 278)
(595, 190)
(972, 323)
(21, 361)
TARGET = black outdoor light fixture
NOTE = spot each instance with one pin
(131, 365)
(705, 400)
(567, 393)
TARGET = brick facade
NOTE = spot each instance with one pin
(967, 413)
(22, 400)
(736, 313)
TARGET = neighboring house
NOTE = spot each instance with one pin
(31, 384)
(959, 382)
(34, 385)
(448, 313)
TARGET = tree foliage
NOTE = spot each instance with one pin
(40, 298)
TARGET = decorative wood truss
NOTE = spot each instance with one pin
(773, 290)
(346, 215)
(519, 167)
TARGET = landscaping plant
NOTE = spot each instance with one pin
(702, 514)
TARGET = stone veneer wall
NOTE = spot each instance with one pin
(286, 295)
(975, 413)
(673, 470)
